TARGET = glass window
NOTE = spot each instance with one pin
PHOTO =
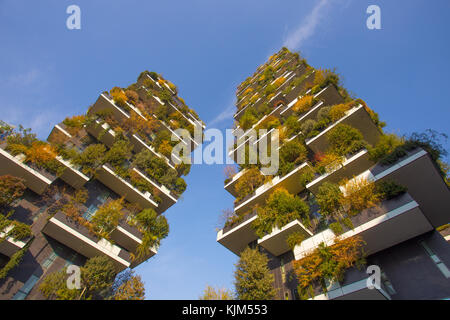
(49, 261)
(26, 288)
(441, 266)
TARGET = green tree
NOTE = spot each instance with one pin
(154, 229)
(128, 286)
(11, 188)
(211, 293)
(54, 287)
(107, 217)
(97, 276)
(329, 198)
(345, 139)
(253, 280)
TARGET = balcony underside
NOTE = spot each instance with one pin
(238, 238)
(419, 174)
(290, 182)
(35, 181)
(357, 118)
(276, 242)
(123, 188)
(355, 291)
(72, 176)
(167, 200)
(230, 186)
(58, 134)
(9, 246)
(393, 222)
(73, 236)
(102, 132)
(328, 96)
(103, 103)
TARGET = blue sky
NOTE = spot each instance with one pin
(207, 48)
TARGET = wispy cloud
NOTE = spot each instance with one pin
(307, 28)
(226, 114)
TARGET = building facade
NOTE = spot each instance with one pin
(87, 184)
(340, 178)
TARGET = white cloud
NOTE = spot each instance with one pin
(224, 115)
(307, 28)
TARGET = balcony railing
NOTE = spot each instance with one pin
(356, 117)
(289, 181)
(391, 222)
(9, 246)
(119, 185)
(72, 175)
(167, 198)
(237, 236)
(77, 237)
(34, 178)
(276, 241)
(353, 165)
(354, 287)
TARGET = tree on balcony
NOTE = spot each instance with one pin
(91, 158)
(107, 218)
(345, 140)
(248, 182)
(253, 280)
(11, 188)
(153, 227)
(280, 208)
(327, 264)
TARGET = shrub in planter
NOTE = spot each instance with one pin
(165, 148)
(328, 163)
(154, 228)
(270, 89)
(22, 137)
(329, 198)
(308, 126)
(280, 208)
(132, 96)
(324, 115)
(291, 153)
(119, 153)
(303, 104)
(327, 263)
(345, 139)
(360, 194)
(107, 218)
(165, 95)
(120, 98)
(338, 111)
(387, 144)
(248, 182)
(390, 189)
(336, 227)
(11, 188)
(294, 239)
(292, 126)
(248, 119)
(91, 158)
(75, 123)
(269, 123)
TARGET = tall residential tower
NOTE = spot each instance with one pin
(97, 187)
(344, 191)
